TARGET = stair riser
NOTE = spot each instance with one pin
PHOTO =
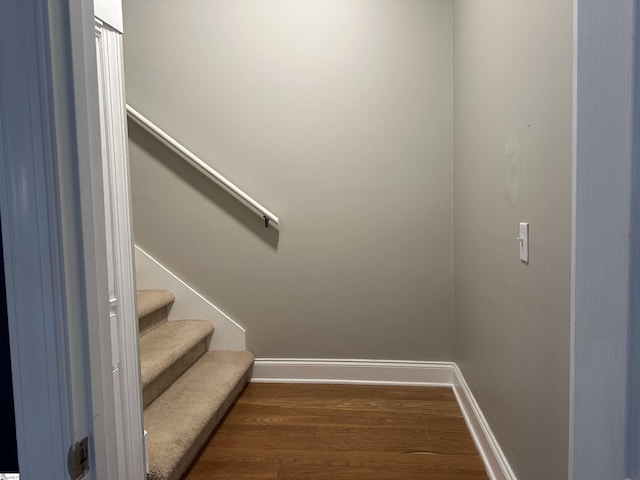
(153, 319)
(157, 386)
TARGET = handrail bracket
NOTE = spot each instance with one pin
(203, 167)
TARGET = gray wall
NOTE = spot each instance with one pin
(338, 117)
(335, 115)
(513, 130)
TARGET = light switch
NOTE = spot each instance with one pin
(523, 240)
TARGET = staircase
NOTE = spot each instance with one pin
(186, 389)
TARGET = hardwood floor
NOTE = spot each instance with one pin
(341, 432)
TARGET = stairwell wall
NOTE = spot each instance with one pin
(337, 116)
(513, 153)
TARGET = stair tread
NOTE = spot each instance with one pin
(169, 342)
(152, 300)
(181, 419)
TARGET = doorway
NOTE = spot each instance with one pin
(8, 444)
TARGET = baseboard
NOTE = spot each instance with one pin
(374, 372)
(494, 459)
(392, 372)
(151, 274)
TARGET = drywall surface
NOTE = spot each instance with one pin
(337, 116)
(513, 146)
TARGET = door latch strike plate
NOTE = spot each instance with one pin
(78, 461)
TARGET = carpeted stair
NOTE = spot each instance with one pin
(186, 389)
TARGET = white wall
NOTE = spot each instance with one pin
(513, 154)
(335, 115)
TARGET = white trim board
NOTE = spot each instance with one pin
(604, 180)
(110, 12)
(125, 356)
(373, 372)
(51, 208)
(393, 372)
(152, 275)
(494, 459)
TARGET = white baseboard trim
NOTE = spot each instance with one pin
(393, 372)
(375, 372)
(495, 461)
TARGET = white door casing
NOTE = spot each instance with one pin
(52, 207)
(603, 139)
(119, 243)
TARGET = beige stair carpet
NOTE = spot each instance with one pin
(168, 350)
(153, 308)
(184, 416)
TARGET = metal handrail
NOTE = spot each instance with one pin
(268, 217)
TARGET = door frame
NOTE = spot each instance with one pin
(602, 190)
(54, 240)
(633, 382)
(120, 256)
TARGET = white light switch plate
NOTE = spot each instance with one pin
(523, 240)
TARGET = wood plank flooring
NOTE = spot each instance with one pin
(341, 432)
